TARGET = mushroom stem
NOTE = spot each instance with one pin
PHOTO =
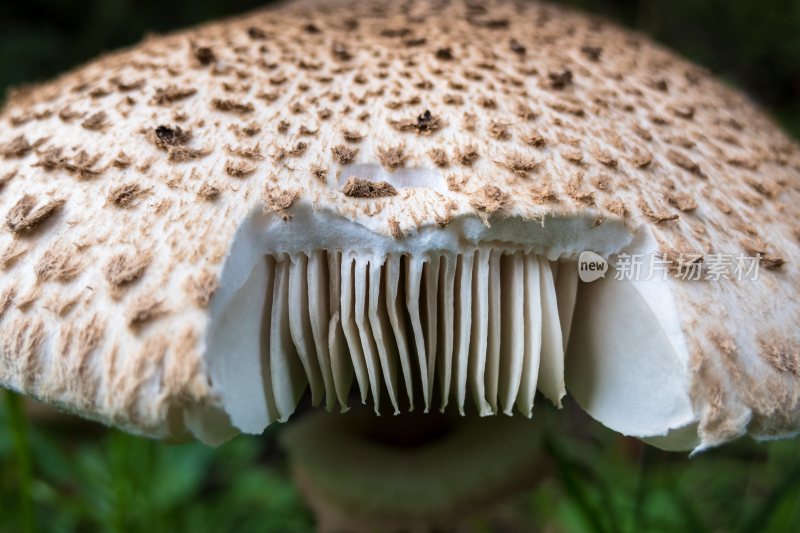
(413, 472)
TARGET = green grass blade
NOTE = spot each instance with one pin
(573, 488)
(19, 429)
(759, 519)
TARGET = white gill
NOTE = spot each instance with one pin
(488, 327)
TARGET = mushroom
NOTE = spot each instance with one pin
(390, 209)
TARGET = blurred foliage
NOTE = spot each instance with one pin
(87, 478)
(78, 477)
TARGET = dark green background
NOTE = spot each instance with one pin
(61, 474)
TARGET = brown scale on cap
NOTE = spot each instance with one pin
(172, 93)
(576, 190)
(58, 264)
(62, 307)
(453, 99)
(490, 199)
(246, 130)
(455, 183)
(544, 194)
(203, 54)
(247, 152)
(166, 136)
(25, 345)
(641, 158)
(6, 299)
(5, 178)
(126, 195)
(280, 201)
(343, 154)
(232, 106)
(684, 162)
(121, 161)
(578, 97)
(682, 201)
(319, 172)
(392, 157)
(297, 149)
(352, 136)
(124, 269)
(11, 254)
(467, 155)
(184, 154)
(208, 192)
(394, 227)
(145, 309)
(535, 139)
(499, 130)
(18, 147)
(25, 300)
(520, 164)
(283, 126)
(239, 169)
(470, 121)
(82, 165)
(657, 216)
(604, 157)
(572, 154)
(96, 122)
(25, 215)
(759, 248)
(201, 287)
(356, 187)
(439, 157)
(424, 124)
(781, 357)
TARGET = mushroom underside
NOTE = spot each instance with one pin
(476, 322)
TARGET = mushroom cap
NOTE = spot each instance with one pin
(137, 191)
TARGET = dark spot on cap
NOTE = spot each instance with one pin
(560, 80)
(491, 24)
(592, 52)
(341, 52)
(256, 33)
(417, 41)
(170, 136)
(204, 55)
(444, 54)
(424, 123)
(517, 47)
(395, 32)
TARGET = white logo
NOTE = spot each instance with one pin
(591, 266)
